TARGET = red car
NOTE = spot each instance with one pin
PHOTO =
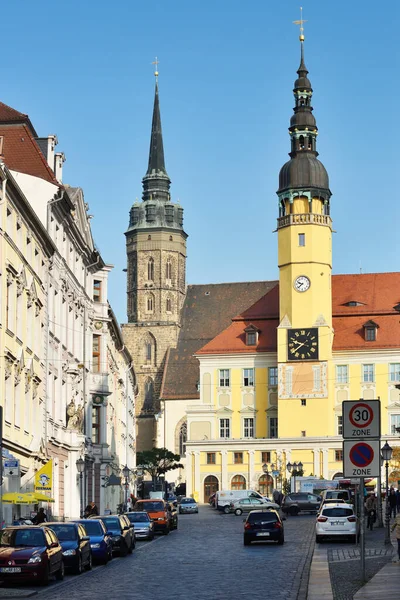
(30, 553)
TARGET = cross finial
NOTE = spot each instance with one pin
(156, 63)
(300, 22)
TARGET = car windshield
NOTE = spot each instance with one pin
(264, 517)
(112, 522)
(93, 528)
(138, 517)
(188, 501)
(22, 537)
(64, 533)
(151, 506)
(337, 512)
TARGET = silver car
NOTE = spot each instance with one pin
(188, 505)
(143, 525)
(247, 504)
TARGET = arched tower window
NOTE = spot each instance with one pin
(150, 303)
(169, 305)
(150, 269)
(183, 439)
(301, 142)
(168, 270)
(149, 349)
(310, 142)
(148, 403)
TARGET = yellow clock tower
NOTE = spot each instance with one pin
(305, 332)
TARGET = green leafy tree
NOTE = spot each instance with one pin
(394, 466)
(158, 461)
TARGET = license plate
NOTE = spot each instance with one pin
(336, 523)
(263, 533)
(10, 570)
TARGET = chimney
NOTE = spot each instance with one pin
(52, 142)
(59, 160)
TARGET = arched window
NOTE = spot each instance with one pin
(150, 269)
(149, 349)
(265, 485)
(150, 303)
(148, 403)
(238, 483)
(182, 439)
(169, 305)
(310, 142)
(301, 142)
(168, 270)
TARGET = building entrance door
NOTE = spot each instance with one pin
(211, 485)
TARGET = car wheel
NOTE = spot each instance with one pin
(61, 572)
(238, 512)
(166, 531)
(124, 549)
(78, 569)
(227, 510)
(318, 539)
(89, 564)
(45, 579)
(294, 511)
(246, 542)
(353, 539)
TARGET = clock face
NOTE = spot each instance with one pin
(301, 283)
(303, 344)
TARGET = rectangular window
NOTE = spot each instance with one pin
(273, 375)
(97, 290)
(251, 338)
(273, 427)
(211, 458)
(238, 458)
(96, 424)
(248, 428)
(304, 402)
(96, 354)
(248, 377)
(224, 379)
(339, 425)
(338, 455)
(224, 428)
(370, 334)
(342, 374)
(265, 457)
(368, 373)
(394, 372)
(394, 424)
(303, 433)
(302, 239)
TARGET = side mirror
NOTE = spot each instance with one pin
(109, 533)
(54, 545)
(85, 538)
(126, 528)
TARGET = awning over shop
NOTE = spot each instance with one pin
(25, 498)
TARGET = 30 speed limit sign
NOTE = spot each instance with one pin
(361, 419)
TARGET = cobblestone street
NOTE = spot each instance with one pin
(204, 559)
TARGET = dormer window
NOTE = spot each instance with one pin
(251, 335)
(370, 331)
(353, 303)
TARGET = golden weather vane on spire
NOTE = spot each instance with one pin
(300, 22)
(156, 62)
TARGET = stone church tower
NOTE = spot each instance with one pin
(156, 265)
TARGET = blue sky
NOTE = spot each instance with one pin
(83, 70)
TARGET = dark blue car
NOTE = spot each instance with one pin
(100, 540)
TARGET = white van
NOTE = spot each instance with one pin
(225, 497)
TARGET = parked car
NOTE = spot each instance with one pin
(330, 501)
(300, 502)
(224, 498)
(336, 495)
(337, 520)
(100, 539)
(30, 553)
(247, 504)
(122, 532)
(173, 515)
(157, 511)
(263, 526)
(143, 525)
(188, 505)
(75, 544)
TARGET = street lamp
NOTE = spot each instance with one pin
(387, 455)
(125, 473)
(80, 467)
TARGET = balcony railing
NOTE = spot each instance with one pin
(302, 218)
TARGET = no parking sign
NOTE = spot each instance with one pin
(361, 459)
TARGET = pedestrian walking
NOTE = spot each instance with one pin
(396, 526)
(392, 503)
(371, 507)
(40, 517)
(91, 510)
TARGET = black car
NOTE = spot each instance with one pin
(122, 531)
(30, 554)
(300, 502)
(75, 544)
(263, 526)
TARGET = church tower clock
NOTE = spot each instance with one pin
(156, 282)
(305, 262)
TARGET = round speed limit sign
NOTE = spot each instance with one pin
(361, 415)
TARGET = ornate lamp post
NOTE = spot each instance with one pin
(387, 455)
(80, 467)
(294, 468)
(125, 473)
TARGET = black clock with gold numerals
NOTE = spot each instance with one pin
(303, 344)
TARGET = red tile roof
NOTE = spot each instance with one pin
(21, 152)
(10, 115)
(377, 293)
